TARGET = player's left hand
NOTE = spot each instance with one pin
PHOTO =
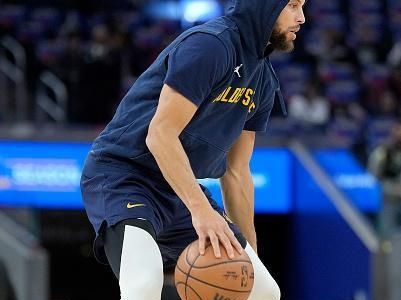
(210, 225)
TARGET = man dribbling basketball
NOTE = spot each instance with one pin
(193, 114)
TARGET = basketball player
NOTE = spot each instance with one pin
(193, 114)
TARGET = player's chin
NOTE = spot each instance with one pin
(288, 46)
(291, 46)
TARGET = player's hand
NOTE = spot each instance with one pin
(210, 225)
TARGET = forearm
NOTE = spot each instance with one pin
(209, 225)
(176, 169)
(172, 115)
(238, 197)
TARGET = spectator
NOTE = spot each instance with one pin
(394, 56)
(332, 48)
(310, 109)
(385, 164)
(99, 78)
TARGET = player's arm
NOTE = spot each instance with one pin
(173, 113)
(237, 186)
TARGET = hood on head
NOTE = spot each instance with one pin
(255, 20)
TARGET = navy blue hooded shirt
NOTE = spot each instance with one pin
(220, 66)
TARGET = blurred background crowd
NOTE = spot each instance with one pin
(344, 77)
(69, 63)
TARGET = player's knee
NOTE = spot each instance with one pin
(146, 285)
(275, 292)
(144, 288)
(141, 270)
(272, 290)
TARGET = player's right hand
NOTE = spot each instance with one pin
(211, 226)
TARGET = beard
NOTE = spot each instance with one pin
(279, 41)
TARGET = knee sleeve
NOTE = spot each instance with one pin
(141, 268)
(264, 287)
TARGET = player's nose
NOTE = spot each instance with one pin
(301, 17)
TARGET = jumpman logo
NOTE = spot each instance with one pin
(236, 70)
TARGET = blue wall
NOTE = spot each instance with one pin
(46, 175)
(326, 259)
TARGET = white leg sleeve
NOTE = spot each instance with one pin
(264, 286)
(141, 269)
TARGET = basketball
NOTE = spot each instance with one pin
(205, 277)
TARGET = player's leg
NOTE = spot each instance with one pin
(181, 233)
(175, 238)
(169, 291)
(135, 258)
(128, 246)
(264, 286)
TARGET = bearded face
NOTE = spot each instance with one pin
(287, 25)
(280, 40)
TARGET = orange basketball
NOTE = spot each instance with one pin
(205, 277)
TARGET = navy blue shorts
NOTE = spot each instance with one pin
(114, 191)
